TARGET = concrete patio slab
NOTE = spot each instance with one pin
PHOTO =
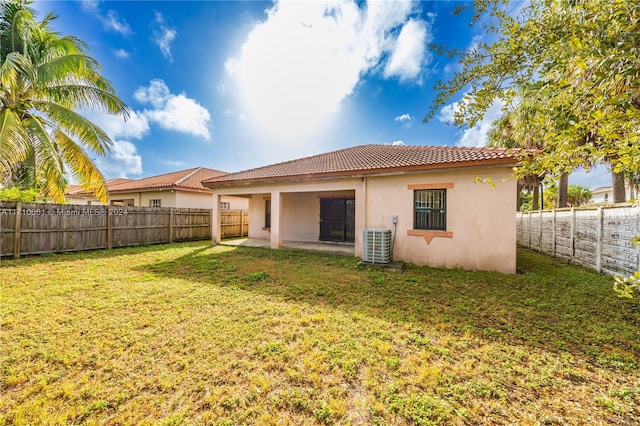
(345, 249)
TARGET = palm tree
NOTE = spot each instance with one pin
(44, 79)
(508, 131)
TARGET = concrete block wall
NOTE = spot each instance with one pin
(598, 238)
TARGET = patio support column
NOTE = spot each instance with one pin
(361, 216)
(276, 219)
(216, 229)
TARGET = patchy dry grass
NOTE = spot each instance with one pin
(194, 334)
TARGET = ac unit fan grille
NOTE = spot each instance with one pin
(376, 246)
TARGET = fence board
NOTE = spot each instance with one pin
(34, 228)
(234, 223)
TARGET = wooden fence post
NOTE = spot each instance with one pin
(109, 230)
(599, 237)
(171, 217)
(16, 229)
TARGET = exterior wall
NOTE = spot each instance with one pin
(83, 201)
(235, 203)
(598, 194)
(181, 199)
(303, 201)
(256, 217)
(197, 200)
(168, 198)
(479, 217)
(301, 214)
(481, 225)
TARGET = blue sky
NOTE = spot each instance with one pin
(235, 85)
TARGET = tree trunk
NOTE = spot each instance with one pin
(617, 181)
(518, 200)
(534, 198)
(563, 191)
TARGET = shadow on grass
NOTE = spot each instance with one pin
(56, 258)
(551, 305)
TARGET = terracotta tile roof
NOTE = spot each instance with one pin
(190, 179)
(368, 159)
(79, 190)
(183, 179)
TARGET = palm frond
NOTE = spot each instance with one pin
(79, 96)
(14, 140)
(87, 133)
(11, 68)
(81, 166)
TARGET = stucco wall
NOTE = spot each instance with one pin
(168, 199)
(256, 217)
(481, 219)
(194, 200)
(481, 223)
(235, 203)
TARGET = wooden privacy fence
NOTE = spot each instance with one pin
(35, 228)
(598, 238)
(234, 223)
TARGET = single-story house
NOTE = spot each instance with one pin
(177, 189)
(433, 199)
(604, 194)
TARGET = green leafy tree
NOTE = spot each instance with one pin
(17, 194)
(578, 60)
(45, 78)
(578, 195)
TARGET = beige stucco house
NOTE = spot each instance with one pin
(442, 216)
(604, 194)
(177, 189)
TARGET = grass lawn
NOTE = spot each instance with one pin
(195, 334)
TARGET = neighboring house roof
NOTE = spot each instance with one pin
(366, 160)
(189, 179)
(602, 189)
(80, 191)
(183, 179)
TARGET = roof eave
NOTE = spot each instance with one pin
(362, 173)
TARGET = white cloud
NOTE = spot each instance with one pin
(406, 119)
(136, 126)
(296, 67)
(122, 54)
(114, 23)
(402, 118)
(173, 163)
(398, 143)
(122, 161)
(182, 115)
(173, 112)
(163, 36)
(89, 5)
(409, 53)
(222, 88)
(156, 94)
(447, 113)
(475, 136)
(111, 21)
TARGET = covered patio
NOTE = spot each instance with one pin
(342, 249)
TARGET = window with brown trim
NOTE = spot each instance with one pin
(430, 209)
